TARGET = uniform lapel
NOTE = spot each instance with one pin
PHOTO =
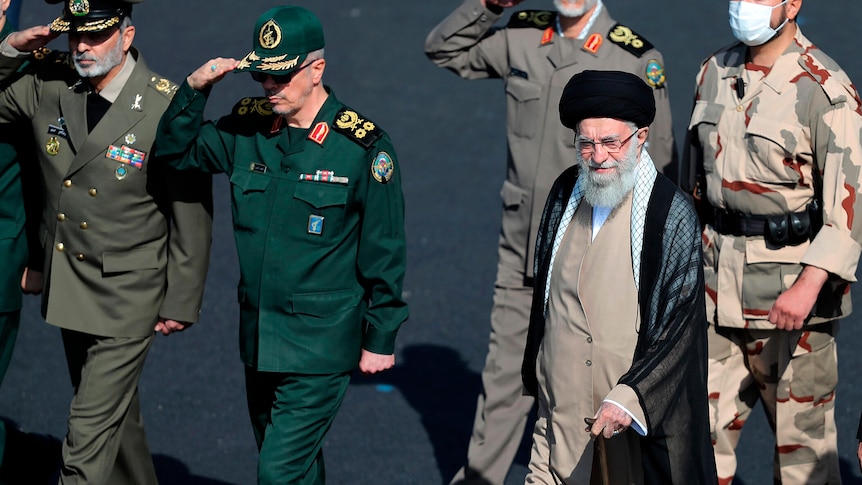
(119, 119)
(73, 109)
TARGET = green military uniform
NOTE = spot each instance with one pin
(19, 244)
(318, 218)
(126, 242)
(318, 228)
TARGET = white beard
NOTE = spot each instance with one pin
(609, 190)
(573, 11)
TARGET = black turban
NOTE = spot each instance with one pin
(607, 94)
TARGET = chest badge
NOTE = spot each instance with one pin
(315, 224)
(137, 104)
(52, 146)
(121, 172)
(130, 139)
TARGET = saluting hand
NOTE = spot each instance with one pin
(211, 72)
(32, 38)
(371, 363)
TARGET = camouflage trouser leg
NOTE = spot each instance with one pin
(796, 374)
(733, 393)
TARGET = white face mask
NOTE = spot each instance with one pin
(750, 22)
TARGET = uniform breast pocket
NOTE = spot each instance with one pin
(251, 205)
(320, 209)
(523, 105)
(771, 143)
(704, 124)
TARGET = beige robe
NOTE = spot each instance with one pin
(590, 338)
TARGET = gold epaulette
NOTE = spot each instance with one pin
(252, 106)
(536, 19)
(164, 86)
(356, 127)
(629, 40)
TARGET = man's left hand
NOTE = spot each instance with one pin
(371, 363)
(610, 421)
(167, 326)
(793, 307)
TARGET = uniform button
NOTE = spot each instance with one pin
(740, 108)
(61, 247)
(67, 183)
(61, 217)
(84, 225)
(92, 192)
(80, 256)
(589, 340)
(588, 363)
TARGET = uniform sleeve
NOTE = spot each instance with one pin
(838, 150)
(185, 141)
(662, 148)
(19, 93)
(465, 44)
(382, 254)
(190, 197)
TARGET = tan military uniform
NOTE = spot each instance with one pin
(766, 138)
(588, 345)
(535, 64)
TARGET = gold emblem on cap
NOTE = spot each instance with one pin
(270, 35)
(52, 146)
(79, 8)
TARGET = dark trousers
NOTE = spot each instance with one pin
(9, 323)
(290, 415)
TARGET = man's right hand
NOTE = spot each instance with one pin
(211, 72)
(501, 3)
(31, 39)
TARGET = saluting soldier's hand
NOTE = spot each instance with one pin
(31, 39)
(211, 72)
(167, 326)
(370, 363)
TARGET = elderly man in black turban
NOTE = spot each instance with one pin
(617, 335)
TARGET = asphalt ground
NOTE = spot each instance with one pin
(411, 424)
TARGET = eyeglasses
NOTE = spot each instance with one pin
(585, 145)
(277, 78)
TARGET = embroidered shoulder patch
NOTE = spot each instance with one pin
(654, 73)
(382, 167)
(536, 19)
(164, 86)
(352, 125)
(629, 40)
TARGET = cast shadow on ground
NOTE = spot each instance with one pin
(439, 386)
(171, 471)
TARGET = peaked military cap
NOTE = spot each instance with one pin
(91, 15)
(283, 37)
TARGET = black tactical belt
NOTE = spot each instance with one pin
(781, 229)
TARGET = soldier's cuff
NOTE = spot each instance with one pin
(834, 251)
(9, 51)
(379, 341)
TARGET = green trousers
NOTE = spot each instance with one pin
(290, 415)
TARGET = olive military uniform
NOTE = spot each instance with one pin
(779, 151)
(535, 63)
(318, 220)
(126, 241)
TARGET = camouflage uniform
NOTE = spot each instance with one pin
(764, 148)
(535, 64)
